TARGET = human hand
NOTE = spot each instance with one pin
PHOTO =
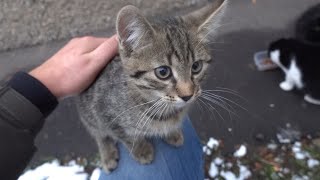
(73, 68)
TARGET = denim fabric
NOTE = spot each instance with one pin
(170, 163)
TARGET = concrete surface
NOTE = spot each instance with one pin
(246, 28)
(31, 22)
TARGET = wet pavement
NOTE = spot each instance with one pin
(262, 110)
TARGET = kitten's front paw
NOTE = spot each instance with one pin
(286, 86)
(176, 139)
(143, 152)
(110, 159)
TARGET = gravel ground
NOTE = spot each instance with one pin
(31, 22)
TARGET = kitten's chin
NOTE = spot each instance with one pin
(180, 104)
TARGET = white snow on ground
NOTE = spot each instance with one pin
(298, 152)
(283, 139)
(213, 143)
(228, 175)
(272, 146)
(207, 150)
(243, 174)
(213, 171)
(313, 163)
(95, 174)
(218, 161)
(296, 177)
(54, 171)
(242, 151)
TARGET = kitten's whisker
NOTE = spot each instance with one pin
(131, 109)
(213, 109)
(224, 88)
(220, 104)
(207, 107)
(226, 91)
(200, 106)
(147, 111)
(153, 115)
(149, 123)
(219, 100)
(144, 114)
(139, 121)
(215, 49)
(150, 117)
(215, 95)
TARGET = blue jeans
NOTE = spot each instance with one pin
(170, 163)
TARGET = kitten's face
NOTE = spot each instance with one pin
(166, 60)
(171, 68)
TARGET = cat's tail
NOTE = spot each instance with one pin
(311, 100)
(308, 25)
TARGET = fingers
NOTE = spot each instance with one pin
(104, 52)
(84, 44)
(91, 43)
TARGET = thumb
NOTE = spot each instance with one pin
(105, 52)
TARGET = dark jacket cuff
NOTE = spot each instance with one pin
(33, 90)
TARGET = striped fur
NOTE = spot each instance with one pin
(128, 102)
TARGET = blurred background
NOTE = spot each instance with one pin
(33, 30)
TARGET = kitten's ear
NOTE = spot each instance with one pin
(206, 20)
(133, 29)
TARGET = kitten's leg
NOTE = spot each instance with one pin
(287, 84)
(109, 153)
(176, 138)
(140, 148)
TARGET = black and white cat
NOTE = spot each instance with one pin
(301, 64)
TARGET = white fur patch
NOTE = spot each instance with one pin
(286, 85)
(311, 100)
(294, 75)
(275, 57)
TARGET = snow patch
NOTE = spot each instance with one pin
(282, 139)
(244, 172)
(54, 171)
(228, 175)
(207, 150)
(242, 151)
(298, 152)
(272, 146)
(218, 161)
(313, 163)
(213, 143)
(213, 171)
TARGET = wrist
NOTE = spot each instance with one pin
(34, 91)
(49, 78)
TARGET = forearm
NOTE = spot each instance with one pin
(24, 103)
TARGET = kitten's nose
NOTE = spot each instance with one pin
(186, 98)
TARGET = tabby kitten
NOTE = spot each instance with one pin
(147, 91)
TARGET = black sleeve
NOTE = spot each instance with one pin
(24, 103)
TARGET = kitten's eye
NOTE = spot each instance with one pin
(196, 67)
(163, 72)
